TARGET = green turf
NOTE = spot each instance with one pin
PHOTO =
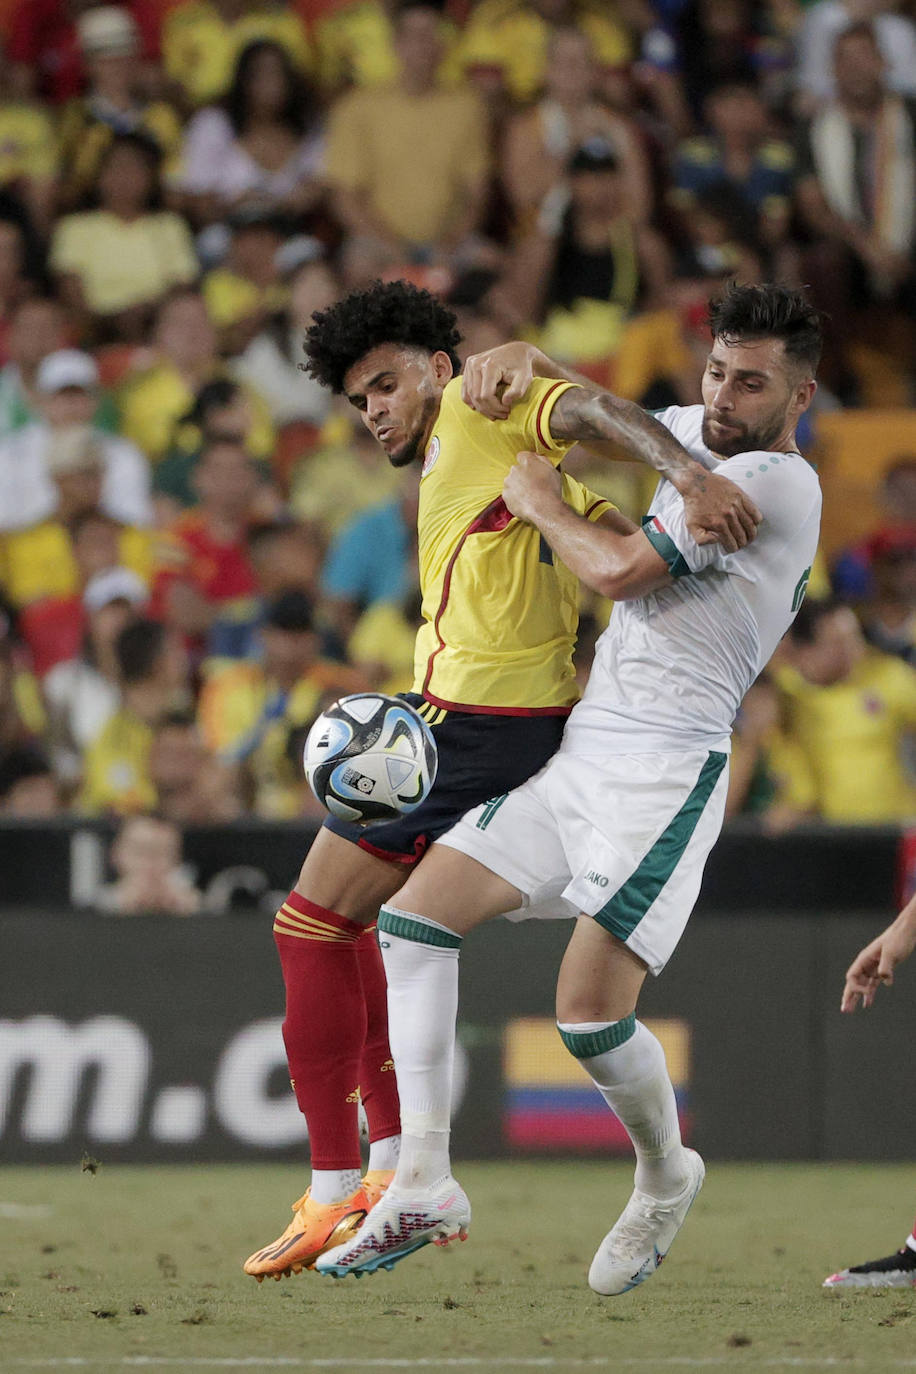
(140, 1264)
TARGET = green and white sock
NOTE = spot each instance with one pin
(627, 1065)
(421, 966)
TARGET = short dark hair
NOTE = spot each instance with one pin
(862, 28)
(291, 611)
(137, 649)
(20, 762)
(386, 312)
(768, 311)
(811, 615)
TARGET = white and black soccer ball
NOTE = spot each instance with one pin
(370, 757)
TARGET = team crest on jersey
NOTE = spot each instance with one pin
(431, 455)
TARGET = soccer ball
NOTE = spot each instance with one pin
(370, 758)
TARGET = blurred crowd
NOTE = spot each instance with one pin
(198, 549)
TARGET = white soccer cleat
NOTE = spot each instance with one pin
(894, 1271)
(399, 1224)
(642, 1235)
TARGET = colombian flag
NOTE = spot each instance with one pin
(551, 1103)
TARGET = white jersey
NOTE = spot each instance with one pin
(672, 667)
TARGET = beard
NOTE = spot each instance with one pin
(413, 446)
(743, 439)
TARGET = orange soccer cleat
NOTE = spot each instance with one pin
(316, 1227)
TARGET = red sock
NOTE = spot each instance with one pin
(377, 1083)
(325, 1027)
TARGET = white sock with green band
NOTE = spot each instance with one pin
(627, 1065)
(421, 965)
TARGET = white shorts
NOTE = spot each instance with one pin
(624, 839)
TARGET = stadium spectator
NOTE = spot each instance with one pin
(114, 264)
(262, 148)
(511, 38)
(850, 575)
(270, 362)
(889, 615)
(203, 39)
(22, 717)
(205, 586)
(857, 197)
(587, 264)
(84, 692)
(250, 711)
(285, 555)
(48, 567)
(716, 41)
(192, 786)
(67, 383)
(407, 165)
(247, 284)
(373, 558)
(37, 327)
(114, 102)
(146, 856)
(850, 710)
(540, 141)
(769, 775)
(154, 403)
(44, 50)
(153, 675)
(356, 45)
(29, 155)
(28, 788)
(739, 149)
(343, 479)
(822, 24)
(223, 409)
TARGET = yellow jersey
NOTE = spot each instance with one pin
(500, 610)
(852, 733)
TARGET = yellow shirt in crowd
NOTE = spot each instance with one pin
(852, 736)
(123, 263)
(28, 147)
(420, 197)
(511, 35)
(356, 46)
(244, 718)
(152, 405)
(38, 562)
(500, 611)
(116, 774)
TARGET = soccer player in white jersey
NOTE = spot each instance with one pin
(615, 830)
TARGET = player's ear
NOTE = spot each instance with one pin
(805, 394)
(442, 367)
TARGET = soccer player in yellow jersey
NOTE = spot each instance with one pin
(493, 677)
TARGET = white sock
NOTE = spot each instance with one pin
(333, 1185)
(632, 1077)
(421, 966)
(383, 1154)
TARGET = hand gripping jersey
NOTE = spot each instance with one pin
(500, 610)
(672, 667)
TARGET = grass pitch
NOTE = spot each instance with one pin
(139, 1268)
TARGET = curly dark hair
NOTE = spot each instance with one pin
(385, 312)
(768, 311)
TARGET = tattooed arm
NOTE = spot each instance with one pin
(717, 510)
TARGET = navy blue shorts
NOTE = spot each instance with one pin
(480, 756)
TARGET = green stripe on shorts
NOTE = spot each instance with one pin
(629, 904)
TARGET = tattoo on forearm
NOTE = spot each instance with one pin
(593, 417)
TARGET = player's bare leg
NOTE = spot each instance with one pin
(336, 1046)
(424, 1203)
(599, 984)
